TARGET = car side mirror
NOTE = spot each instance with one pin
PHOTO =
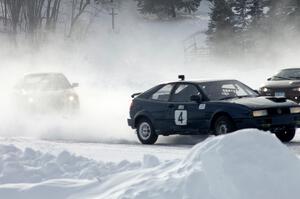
(196, 98)
(269, 79)
(74, 85)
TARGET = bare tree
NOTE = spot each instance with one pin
(32, 11)
(78, 8)
(36, 18)
(52, 12)
(3, 12)
(14, 10)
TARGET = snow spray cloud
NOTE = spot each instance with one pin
(104, 107)
(110, 66)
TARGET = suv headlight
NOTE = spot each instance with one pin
(296, 89)
(265, 90)
(295, 110)
(260, 113)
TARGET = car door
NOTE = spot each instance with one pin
(186, 115)
(159, 108)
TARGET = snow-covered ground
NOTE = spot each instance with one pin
(97, 155)
(167, 148)
(219, 167)
(101, 151)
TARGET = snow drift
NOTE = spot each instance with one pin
(245, 164)
(30, 166)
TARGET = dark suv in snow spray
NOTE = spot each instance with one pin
(286, 83)
(44, 92)
(211, 107)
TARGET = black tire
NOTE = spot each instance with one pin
(145, 132)
(72, 109)
(287, 135)
(223, 125)
(76, 107)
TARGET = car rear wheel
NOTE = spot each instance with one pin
(145, 132)
(287, 135)
(223, 125)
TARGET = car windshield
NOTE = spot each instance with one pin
(221, 90)
(44, 82)
(288, 74)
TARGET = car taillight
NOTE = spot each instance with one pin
(131, 105)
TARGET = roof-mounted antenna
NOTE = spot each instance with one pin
(181, 77)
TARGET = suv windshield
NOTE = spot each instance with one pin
(44, 82)
(288, 74)
(221, 90)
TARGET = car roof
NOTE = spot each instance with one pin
(291, 69)
(200, 81)
(42, 74)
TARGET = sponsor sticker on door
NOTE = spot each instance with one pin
(202, 106)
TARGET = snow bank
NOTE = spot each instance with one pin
(30, 166)
(247, 164)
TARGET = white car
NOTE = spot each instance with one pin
(44, 92)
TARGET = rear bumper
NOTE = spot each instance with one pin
(269, 123)
(130, 123)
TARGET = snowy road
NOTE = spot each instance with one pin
(168, 148)
(102, 151)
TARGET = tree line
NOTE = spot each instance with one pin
(36, 18)
(29, 15)
(167, 8)
(235, 26)
(246, 26)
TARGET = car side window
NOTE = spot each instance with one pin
(232, 90)
(163, 94)
(60, 82)
(184, 92)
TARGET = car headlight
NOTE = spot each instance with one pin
(71, 98)
(295, 110)
(260, 113)
(265, 90)
(296, 89)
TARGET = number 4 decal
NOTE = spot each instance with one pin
(181, 117)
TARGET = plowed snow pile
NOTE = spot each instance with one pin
(247, 164)
(30, 166)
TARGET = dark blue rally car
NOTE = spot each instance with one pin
(209, 107)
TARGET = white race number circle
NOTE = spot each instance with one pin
(181, 117)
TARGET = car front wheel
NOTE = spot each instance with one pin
(287, 135)
(145, 132)
(223, 125)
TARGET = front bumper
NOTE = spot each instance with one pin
(269, 123)
(289, 94)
